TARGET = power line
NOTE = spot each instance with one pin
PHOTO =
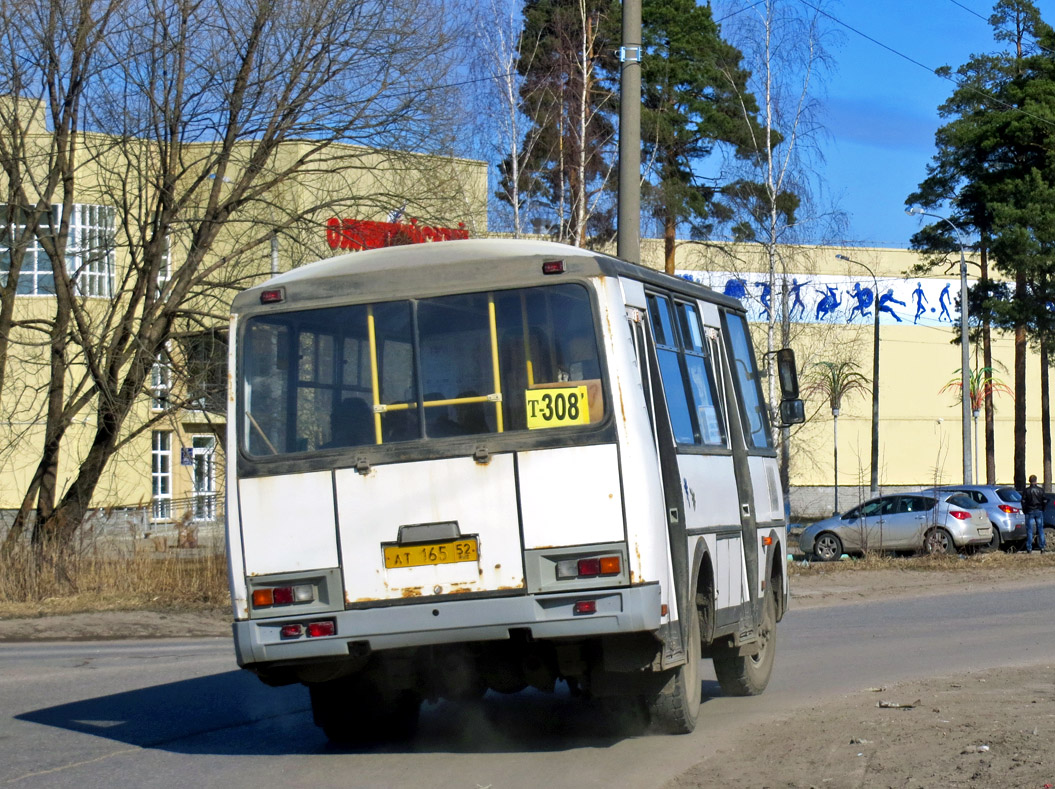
(959, 84)
(969, 10)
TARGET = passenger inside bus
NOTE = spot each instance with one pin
(351, 424)
(438, 422)
(471, 418)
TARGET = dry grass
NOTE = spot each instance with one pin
(198, 582)
(975, 562)
(31, 585)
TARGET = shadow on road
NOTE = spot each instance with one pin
(234, 714)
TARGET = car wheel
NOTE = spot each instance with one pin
(827, 547)
(995, 543)
(938, 540)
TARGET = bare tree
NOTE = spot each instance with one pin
(566, 60)
(183, 127)
(779, 200)
(505, 135)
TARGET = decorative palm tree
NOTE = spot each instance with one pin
(834, 381)
(982, 384)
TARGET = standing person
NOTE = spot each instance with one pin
(1033, 506)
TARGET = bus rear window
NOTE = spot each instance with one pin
(410, 370)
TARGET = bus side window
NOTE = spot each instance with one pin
(672, 370)
(745, 373)
(687, 370)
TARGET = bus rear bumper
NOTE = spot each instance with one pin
(625, 610)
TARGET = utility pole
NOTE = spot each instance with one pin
(628, 243)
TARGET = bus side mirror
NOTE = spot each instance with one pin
(792, 412)
(787, 374)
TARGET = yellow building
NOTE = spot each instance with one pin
(165, 480)
(832, 303)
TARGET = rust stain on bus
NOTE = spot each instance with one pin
(411, 591)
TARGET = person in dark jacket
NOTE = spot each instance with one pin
(1033, 507)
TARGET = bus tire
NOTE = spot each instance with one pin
(675, 708)
(748, 675)
(352, 711)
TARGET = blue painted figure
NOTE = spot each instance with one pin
(944, 300)
(864, 298)
(828, 303)
(921, 300)
(736, 287)
(884, 304)
(764, 296)
(796, 298)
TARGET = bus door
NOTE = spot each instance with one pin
(754, 458)
(686, 335)
(676, 554)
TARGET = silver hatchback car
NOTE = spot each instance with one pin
(938, 522)
(1003, 505)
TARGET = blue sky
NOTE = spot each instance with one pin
(881, 109)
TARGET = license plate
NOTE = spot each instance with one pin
(426, 553)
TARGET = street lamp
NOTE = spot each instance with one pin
(873, 481)
(965, 359)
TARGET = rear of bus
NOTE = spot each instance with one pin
(428, 450)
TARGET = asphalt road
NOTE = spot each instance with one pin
(171, 713)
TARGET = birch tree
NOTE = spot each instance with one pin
(780, 198)
(567, 61)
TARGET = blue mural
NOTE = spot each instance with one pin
(863, 298)
(943, 300)
(827, 298)
(795, 293)
(921, 301)
(828, 303)
(884, 304)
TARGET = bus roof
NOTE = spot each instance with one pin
(452, 265)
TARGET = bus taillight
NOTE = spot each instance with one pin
(590, 567)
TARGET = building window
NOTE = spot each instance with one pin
(205, 356)
(204, 449)
(160, 383)
(90, 253)
(35, 277)
(161, 475)
(90, 250)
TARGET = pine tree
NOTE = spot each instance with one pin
(695, 99)
(995, 170)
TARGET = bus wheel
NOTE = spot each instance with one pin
(748, 675)
(675, 708)
(353, 710)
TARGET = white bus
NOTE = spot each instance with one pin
(498, 464)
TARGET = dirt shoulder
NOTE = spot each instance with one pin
(842, 583)
(114, 625)
(988, 728)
